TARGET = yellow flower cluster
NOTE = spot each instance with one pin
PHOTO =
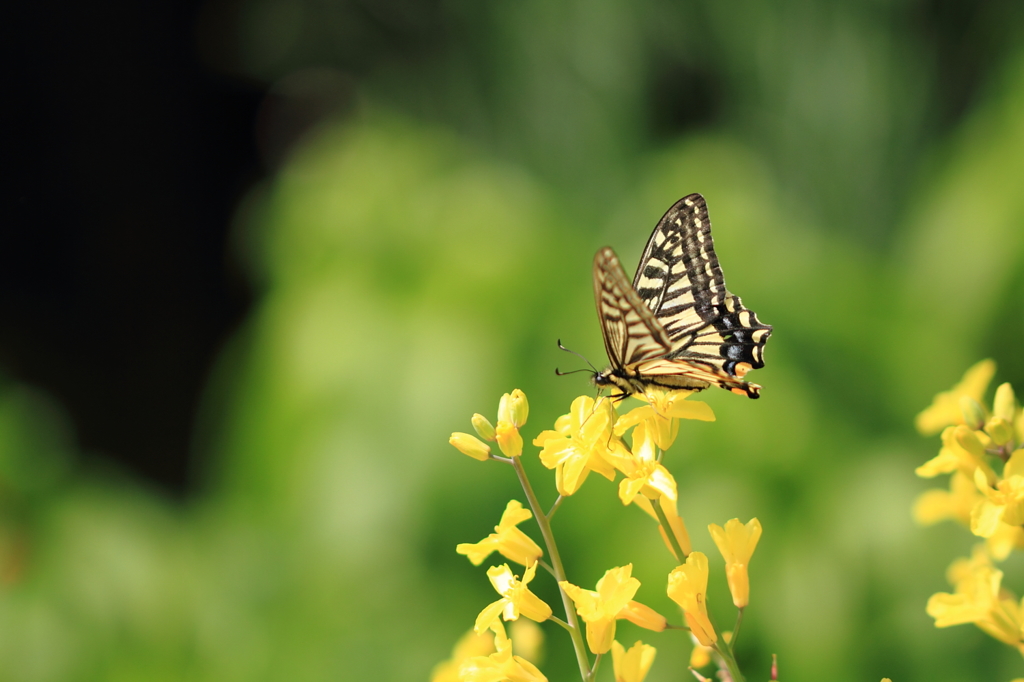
(592, 437)
(983, 451)
(512, 413)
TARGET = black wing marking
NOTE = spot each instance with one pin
(631, 332)
(680, 281)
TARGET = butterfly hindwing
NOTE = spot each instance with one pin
(712, 337)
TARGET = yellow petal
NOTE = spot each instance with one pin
(736, 541)
(985, 518)
(739, 584)
(1000, 430)
(528, 639)
(544, 436)
(532, 606)
(945, 408)
(476, 552)
(691, 409)
(587, 602)
(1006, 539)
(617, 587)
(972, 412)
(701, 627)
(687, 587)
(600, 634)
(490, 613)
(644, 616)
(469, 645)
(519, 547)
(509, 440)
(1014, 465)
(632, 665)
(700, 656)
(514, 514)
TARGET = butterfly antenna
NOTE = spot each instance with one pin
(567, 350)
(575, 371)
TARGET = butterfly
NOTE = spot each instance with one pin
(676, 326)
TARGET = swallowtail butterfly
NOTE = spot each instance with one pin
(676, 326)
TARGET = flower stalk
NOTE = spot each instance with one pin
(559, 570)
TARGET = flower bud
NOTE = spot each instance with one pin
(1004, 405)
(483, 427)
(973, 412)
(999, 430)
(471, 445)
(974, 442)
(514, 408)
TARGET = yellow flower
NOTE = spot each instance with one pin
(516, 598)
(632, 665)
(501, 665)
(962, 450)
(580, 443)
(999, 430)
(662, 413)
(978, 599)
(644, 473)
(1002, 503)
(957, 503)
(512, 412)
(687, 587)
(736, 542)
(507, 539)
(700, 656)
(678, 528)
(471, 445)
(469, 645)
(1006, 539)
(612, 600)
(945, 408)
(509, 440)
(528, 639)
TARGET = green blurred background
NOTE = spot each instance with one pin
(439, 178)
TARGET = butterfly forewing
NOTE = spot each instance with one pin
(680, 280)
(631, 332)
(711, 337)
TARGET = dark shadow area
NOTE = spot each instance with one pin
(125, 158)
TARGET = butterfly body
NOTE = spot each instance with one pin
(676, 326)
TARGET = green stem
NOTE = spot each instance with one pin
(597, 663)
(736, 629)
(560, 622)
(559, 571)
(555, 506)
(730, 662)
(673, 540)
